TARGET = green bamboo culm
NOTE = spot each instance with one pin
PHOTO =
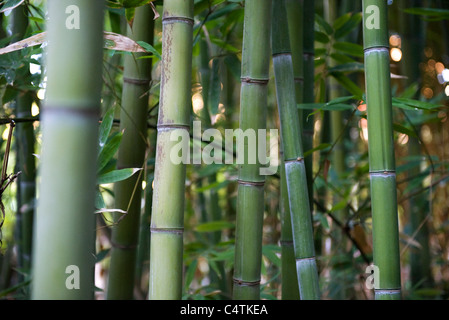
(381, 150)
(290, 288)
(308, 87)
(26, 190)
(295, 170)
(167, 220)
(131, 154)
(64, 234)
(253, 116)
(295, 17)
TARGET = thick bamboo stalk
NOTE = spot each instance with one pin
(167, 221)
(26, 190)
(295, 170)
(253, 111)
(381, 150)
(64, 235)
(131, 154)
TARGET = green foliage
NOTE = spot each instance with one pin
(108, 144)
(431, 14)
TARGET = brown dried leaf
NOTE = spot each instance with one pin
(113, 41)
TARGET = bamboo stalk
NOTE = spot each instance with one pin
(338, 285)
(64, 234)
(253, 111)
(381, 150)
(212, 208)
(295, 170)
(412, 48)
(131, 154)
(290, 289)
(167, 221)
(26, 190)
(309, 87)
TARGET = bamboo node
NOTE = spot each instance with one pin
(137, 82)
(169, 20)
(255, 81)
(167, 230)
(251, 183)
(241, 282)
(123, 247)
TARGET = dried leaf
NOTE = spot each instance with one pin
(11, 4)
(121, 43)
(35, 40)
(113, 41)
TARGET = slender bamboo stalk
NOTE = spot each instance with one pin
(213, 212)
(338, 287)
(64, 234)
(290, 289)
(381, 150)
(412, 46)
(309, 86)
(26, 190)
(131, 154)
(253, 113)
(167, 221)
(295, 171)
(143, 248)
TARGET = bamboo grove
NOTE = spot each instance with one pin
(224, 149)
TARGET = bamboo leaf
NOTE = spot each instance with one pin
(322, 146)
(341, 58)
(99, 200)
(149, 48)
(234, 65)
(401, 129)
(434, 14)
(348, 67)
(101, 255)
(117, 175)
(271, 252)
(413, 104)
(349, 25)
(340, 205)
(348, 84)
(190, 273)
(321, 37)
(324, 25)
(105, 127)
(109, 150)
(352, 49)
